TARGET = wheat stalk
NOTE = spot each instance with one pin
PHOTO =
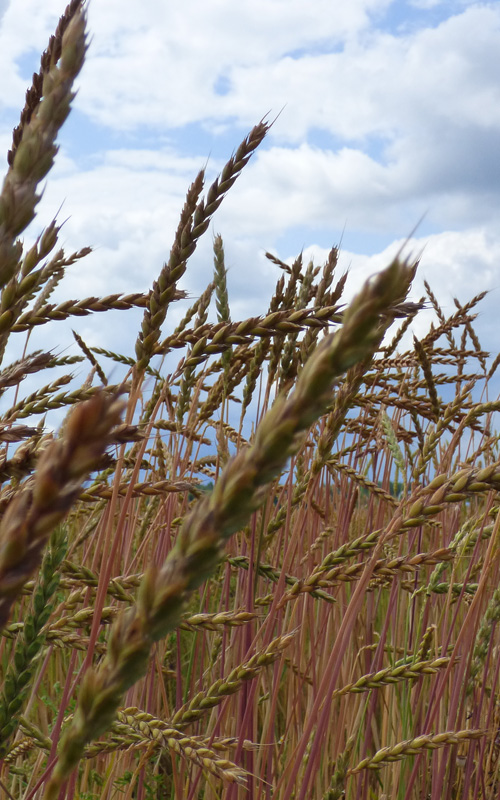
(236, 494)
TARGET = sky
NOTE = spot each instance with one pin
(387, 128)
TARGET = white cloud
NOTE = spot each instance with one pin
(425, 4)
(455, 264)
(307, 186)
(378, 128)
(165, 72)
(168, 56)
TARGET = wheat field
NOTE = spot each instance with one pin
(308, 612)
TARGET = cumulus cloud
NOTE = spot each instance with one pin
(380, 124)
(455, 264)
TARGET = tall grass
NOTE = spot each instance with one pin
(311, 613)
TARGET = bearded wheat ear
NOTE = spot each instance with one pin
(46, 498)
(19, 675)
(238, 492)
(339, 593)
(195, 219)
(31, 158)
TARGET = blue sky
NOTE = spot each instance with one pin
(390, 112)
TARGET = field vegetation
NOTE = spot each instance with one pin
(308, 612)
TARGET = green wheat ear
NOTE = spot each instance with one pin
(19, 675)
(394, 448)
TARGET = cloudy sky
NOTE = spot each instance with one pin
(390, 113)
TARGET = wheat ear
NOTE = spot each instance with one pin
(239, 491)
(32, 158)
(45, 499)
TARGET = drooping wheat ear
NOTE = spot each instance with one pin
(34, 154)
(390, 675)
(41, 314)
(210, 339)
(413, 747)
(274, 575)
(141, 730)
(195, 219)
(334, 465)
(93, 360)
(45, 499)
(222, 688)
(16, 433)
(26, 406)
(383, 568)
(17, 370)
(239, 491)
(48, 401)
